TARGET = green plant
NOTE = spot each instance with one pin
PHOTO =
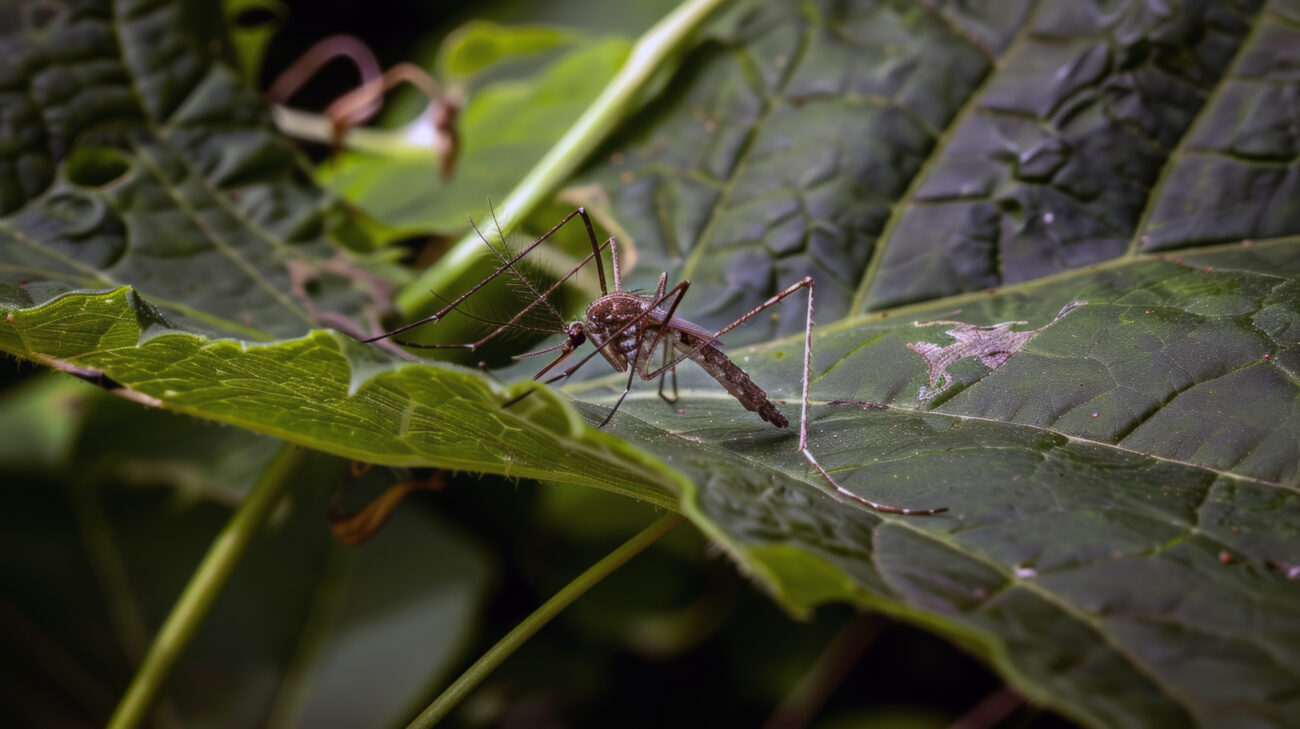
(1122, 487)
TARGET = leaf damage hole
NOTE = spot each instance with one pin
(992, 345)
(96, 167)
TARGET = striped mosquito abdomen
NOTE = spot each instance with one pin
(630, 329)
(729, 375)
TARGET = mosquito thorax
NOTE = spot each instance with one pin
(613, 310)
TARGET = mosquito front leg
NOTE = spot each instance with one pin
(568, 348)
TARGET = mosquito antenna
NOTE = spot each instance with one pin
(475, 345)
(492, 322)
(594, 254)
(492, 209)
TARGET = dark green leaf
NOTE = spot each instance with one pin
(132, 154)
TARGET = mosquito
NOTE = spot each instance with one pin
(628, 329)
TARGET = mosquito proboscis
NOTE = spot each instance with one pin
(628, 328)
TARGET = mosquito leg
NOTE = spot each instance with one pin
(673, 371)
(569, 347)
(661, 296)
(873, 504)
(806, 282)
(803, 414)
(773, 301)
(613, 257)
(595, 249)
(515, 400)
(660, 290)
(631, 373)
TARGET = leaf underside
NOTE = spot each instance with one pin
(1122, 489)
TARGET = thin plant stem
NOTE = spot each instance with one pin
(991, 710)
(488, 662)
(615, 102)
(826, 674)
(204, 587)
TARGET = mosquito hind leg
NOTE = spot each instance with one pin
(873, 504)
(805, 282)
(803, 410)
(664, 373)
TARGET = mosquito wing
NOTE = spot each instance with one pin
(700, 333)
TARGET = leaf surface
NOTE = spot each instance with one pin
(1121, 485)
(136, 156)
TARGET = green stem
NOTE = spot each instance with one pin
(443, 705)
(617, 100)
(204, 587)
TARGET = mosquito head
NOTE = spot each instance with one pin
(576, 333)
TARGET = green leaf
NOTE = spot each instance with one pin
(1122, 485)
(479, 45)
(132, 154)
(252, 24)
(288, 635)
(329, 392)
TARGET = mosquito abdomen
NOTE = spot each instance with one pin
(732, 377)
